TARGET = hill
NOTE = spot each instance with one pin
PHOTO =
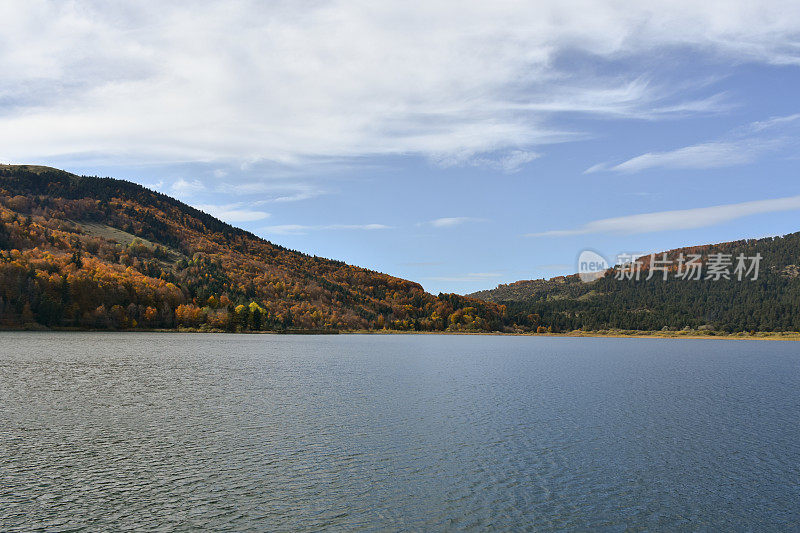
(618, 300)
(89, 252)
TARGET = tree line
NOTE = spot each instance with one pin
(184, 268)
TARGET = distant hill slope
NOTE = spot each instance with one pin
(88, 252)
(770, 303)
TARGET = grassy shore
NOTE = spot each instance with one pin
(758, 335)
(614, 333)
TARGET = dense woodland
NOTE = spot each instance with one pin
(99, 253)
(769, 303)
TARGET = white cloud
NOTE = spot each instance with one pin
(286, 229)
(706, 155)
(233, 212)
(164, 81)
(599, 167)
(185, 187)
(742, 146)
(299, 229)
(714, 154)
(774, 121)
(278, 192)
(517, 159)
(678, 219)
(449, 222)
(508, 162)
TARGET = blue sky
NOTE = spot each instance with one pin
(460, 145)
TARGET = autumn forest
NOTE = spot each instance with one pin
(99, 253)
(80, 252)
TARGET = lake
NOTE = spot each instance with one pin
(112, 431)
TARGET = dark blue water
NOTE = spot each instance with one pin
(260, 432)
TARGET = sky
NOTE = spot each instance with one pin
(458, 144)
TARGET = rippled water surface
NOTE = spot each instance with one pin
(265, 432)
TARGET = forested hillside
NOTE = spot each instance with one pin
(100, 253)
(769, 303)
(87, 252)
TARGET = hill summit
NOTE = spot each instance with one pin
(711, 287)
(101, 253)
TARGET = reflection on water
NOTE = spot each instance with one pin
(263, 432)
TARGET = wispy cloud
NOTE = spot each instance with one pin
(741, 146)
(678, 219)
(599, 167)
(514, 161)
(509, 162)
(134, 83)
(233, 212)
(300, 229)
(450, 222)
(700, 156)
(637, 98)
(274, 192)
(185, 187)
(286, 229)
(774, 121)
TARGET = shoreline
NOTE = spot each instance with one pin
(622, 334)
(614, 334)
